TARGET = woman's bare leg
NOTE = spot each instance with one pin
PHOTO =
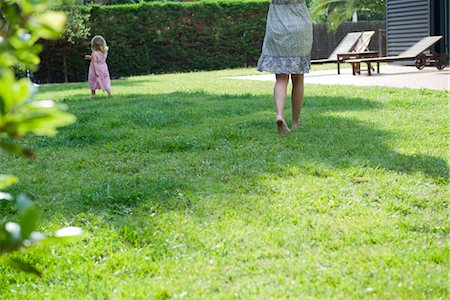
(298, 92)
(279, 95)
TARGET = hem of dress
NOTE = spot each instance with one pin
(100, 88)
(286, 2)
(284, 65)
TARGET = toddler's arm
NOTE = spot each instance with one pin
(94, 62)
(87, 57)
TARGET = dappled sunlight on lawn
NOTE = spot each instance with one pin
(185, 174)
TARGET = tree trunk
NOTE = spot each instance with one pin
(66, 79)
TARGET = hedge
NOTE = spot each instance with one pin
(161, 37)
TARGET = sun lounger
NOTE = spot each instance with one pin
(352, 43)
(362, 45)
(415, 52)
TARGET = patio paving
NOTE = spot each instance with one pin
(390, 76)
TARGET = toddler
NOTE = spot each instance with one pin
(98, 77)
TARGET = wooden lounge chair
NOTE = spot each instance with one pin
(361, 50)
(362, 44)
(415, 52)
(352, 43)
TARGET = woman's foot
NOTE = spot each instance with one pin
(282, 127)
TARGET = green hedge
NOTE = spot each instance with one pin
(160, 37)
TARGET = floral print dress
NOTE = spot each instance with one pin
(288, 40)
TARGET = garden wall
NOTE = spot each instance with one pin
(162, 37)
(325, 42)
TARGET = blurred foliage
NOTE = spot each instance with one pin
(22, 24)
(334, 12)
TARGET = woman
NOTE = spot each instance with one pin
(286, 52)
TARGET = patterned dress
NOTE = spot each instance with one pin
(288, 40)
(103, 80)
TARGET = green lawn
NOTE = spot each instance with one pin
(185, 190)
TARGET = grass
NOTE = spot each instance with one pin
(186, 191)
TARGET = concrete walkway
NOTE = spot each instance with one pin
(390, 76)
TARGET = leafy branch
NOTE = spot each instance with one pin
(22, 24)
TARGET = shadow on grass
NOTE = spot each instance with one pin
(135, 82)
(156, 149)
(64, 87)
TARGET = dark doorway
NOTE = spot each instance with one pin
(440, 24)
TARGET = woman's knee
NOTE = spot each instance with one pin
(282, 77)
(297, 79)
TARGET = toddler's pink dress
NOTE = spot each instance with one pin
(102, 81)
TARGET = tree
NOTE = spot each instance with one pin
(77, 28)
(22, 24)
(334, 12)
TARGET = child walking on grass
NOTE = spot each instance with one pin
(98, 77)
(286, 52)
